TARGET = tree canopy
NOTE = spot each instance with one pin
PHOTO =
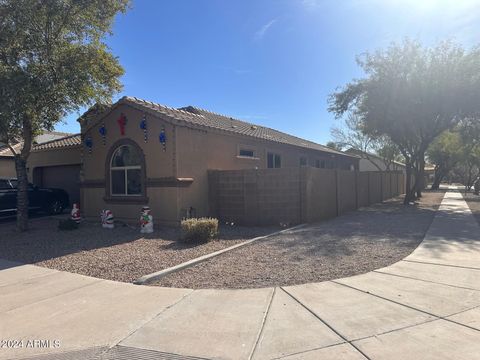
(445, 152)
(352, 135)
(412, 94)
(53, 60)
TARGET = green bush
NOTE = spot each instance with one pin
(199, 229)
(67, 224)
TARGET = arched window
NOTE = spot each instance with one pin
(126, 171)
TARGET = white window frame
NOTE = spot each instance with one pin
(274, 153)
(125, 172)
(247, 148)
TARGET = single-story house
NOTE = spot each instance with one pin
(7, 163)
(136, 153)
(429, 173)
(373, 162)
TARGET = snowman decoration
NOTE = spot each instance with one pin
(107, 219)
(75, 214)
(146, 221)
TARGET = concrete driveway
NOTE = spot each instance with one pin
(424, 307)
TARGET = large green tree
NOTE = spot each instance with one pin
(456, 154)
(412, 94)
(469, 164)
(53, 60)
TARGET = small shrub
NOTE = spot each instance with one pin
(199, 229)
(67, 224)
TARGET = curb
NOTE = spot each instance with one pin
(146, 279)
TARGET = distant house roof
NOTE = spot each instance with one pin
(64, 142)
(6, 152)
(49, 136)
(196, 117)
(59, 143)
(359, 152)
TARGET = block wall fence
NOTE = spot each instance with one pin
(298, 195)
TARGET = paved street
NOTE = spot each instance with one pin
(424, 307)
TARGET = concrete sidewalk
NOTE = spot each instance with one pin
(424, 307)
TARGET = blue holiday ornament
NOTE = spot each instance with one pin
(163, 139)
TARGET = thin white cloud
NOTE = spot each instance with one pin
(242, 71)
(311, 4)
(235, 70)
(259, 35)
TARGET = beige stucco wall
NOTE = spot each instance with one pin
(159, 164)
(190, 153)
(199, 151)
(53, 157)
(7, 168)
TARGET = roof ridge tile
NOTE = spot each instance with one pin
(196, 116)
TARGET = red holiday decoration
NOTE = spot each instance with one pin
(122, 121)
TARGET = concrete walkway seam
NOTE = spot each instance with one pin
(423, 280)
(326, 324)
(117, 343)
(262, 326)
(386, 299)
(162, 273)
(438, 264)
(57, 295)
(307, 351)
(30, 278)
(446, 317)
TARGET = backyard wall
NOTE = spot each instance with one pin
(293, 196)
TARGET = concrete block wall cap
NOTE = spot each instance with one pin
(146, 279)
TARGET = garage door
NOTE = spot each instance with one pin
(66, 177)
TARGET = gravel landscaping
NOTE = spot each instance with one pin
(355, 243)
(121, 254)
(473, 202)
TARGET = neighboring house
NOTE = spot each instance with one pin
(7, 163)
(137, 153)
(48, 136)
(372, 162)
(429, 173)
(54, 163)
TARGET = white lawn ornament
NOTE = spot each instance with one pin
(107, 219)
(75, 214)
(146, 221)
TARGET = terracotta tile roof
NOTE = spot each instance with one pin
(49, 136)
(93, 113)
(198, 117)
(5, 150)
(67, 141)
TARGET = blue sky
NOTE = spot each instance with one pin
(271, 62)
